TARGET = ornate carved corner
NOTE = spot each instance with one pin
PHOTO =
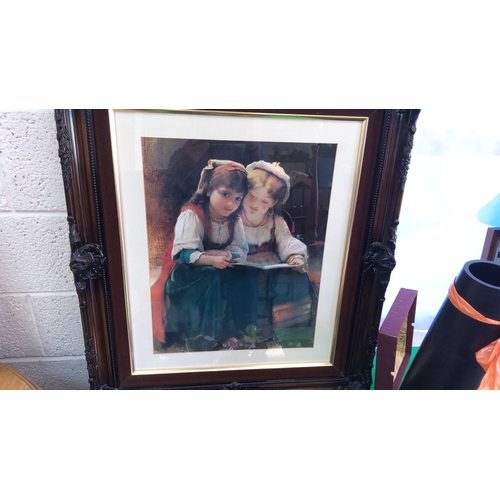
(91, 358)
(353, 384)
(64, 147)
(407, 147)
(380, 260)
(234, 386)
(87, 261)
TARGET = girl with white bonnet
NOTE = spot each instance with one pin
(267, 231)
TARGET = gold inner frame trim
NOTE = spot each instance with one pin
(350, 221)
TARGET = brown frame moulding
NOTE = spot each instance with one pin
(491, 247)
(397, 326)
(87, 167)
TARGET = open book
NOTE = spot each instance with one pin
(262, 260)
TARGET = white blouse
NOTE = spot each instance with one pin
(286, 243)
(189, 232)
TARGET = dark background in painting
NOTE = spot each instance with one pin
(172, 170)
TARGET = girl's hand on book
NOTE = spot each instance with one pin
(221, 261)
(298, 262)
(215, 258)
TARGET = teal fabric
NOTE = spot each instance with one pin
(413, 353)
(195, 314)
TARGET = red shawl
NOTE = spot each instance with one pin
(158, 298)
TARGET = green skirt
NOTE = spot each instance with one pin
(196, 311)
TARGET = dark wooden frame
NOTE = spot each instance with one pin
(87, 168)
(402, 311)
(491, 245)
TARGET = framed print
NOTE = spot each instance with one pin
(395, 340)
(186, 281)
(491, 247)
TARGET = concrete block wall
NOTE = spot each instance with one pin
(40, 329)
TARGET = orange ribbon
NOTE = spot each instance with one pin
(488, 357)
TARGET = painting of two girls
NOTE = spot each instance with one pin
(200, 300)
